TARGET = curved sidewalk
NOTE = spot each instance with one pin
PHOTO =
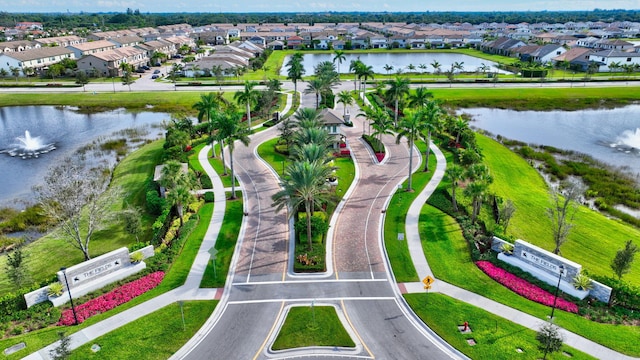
(189, 291)
(422, 267)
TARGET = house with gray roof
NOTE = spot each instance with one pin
(39, 59)
(91, 47)
(107, 63)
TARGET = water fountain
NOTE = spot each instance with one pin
(628, 141)
(29, 147)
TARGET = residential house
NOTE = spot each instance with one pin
(294, 42)
(29, 25)
(158, 46)
(502, 46)
(18, 45)
(38, 59)
(605, 58)
(124, 41)
(577, 57)
(62, 41)
(91, 47)
(332, 123)
(107, 63)
(540, 54)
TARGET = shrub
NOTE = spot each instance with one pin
(55, 289)
(507, 248)
(136, 257)
(524, 288)
(112, 299)
(205, 181)
(582, 282)
(209, 197)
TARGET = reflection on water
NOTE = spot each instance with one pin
(421, 61)
(67, 129)
(611, 136)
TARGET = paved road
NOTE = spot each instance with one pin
(357, 285)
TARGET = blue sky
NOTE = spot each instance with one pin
(307, 6)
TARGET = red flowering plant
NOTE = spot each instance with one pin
(524, 288)
(112, 299)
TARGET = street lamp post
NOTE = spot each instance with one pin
(553, 308)
(73, 309)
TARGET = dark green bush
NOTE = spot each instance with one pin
(208, 197)
(205, 181)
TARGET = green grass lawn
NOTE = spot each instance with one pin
(495, 337)
(394, 222)
(537, 98)
(592, 242)
(225, 244)
(46, 255)
(145, 339)
(307, 326)
(450, 261)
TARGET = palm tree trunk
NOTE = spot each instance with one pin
(426, 162)
(395, 115)
(249, 113)
(453, 198)
(410, 163)
(224, 166)
(308, 205)
(233, 176)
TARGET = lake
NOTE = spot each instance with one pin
(68, 130)
(611, 136)
(399, 61)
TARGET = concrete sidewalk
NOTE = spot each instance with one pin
(422, 267)
(189, 291)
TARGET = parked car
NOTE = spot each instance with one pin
(156, 71)
(155, 76)
(140, 70)
(146, 67)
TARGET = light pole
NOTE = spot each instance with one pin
(73, 309)
(553, 308)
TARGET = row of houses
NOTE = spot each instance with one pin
(101, 57)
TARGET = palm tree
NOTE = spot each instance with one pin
(315, 86)
(398, 88)
(388, 68)
(178, 184)
(312, 135)
(365, 72)
(411, 67)
(420, 97)
(304, 186)
(454, 173)
(178, 197)
(247, 97)
(410, 127)
(233, 130)
(476, 190)
(346, 99)
(339, 57)
(307, 117)
(126, 74)
(312, 152)
(436, 67)
(295, 71)
(460, 124)
(207, 106)
(431, 113)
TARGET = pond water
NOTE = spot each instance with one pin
(67, 130)
(611, 136)
(399, 61)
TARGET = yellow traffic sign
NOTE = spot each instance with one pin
(427, 287)
(428, 280)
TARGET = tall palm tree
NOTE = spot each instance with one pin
(247, 97)
(410, 128)
(346, 99)
(312, 135)
(365, 72)
(234, 130)
(455, 174)
(420, 97)
(411, 67)
(354, 65)
(295, 70)
(307, 118)
(388, 68)
(431, 113)
(379, 120)
(339, 57)
(398, 88)
(208, 105)
(460, 124)
(476, 190)
(315, 86)
(436, 67)
(178, 197)
(312, 152)
(423, 67)
(304, 186)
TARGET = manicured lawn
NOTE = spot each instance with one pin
(49, 253)
(277, 161)
(145, 339)
(592, 242)
(225, 244)
(495, 337)
(394, 222)
(537, 98)
(450, 261)
(307, 326)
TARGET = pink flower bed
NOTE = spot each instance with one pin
(524, 288)
(112, 299)
(379, 156)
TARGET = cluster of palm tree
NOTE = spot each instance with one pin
(304, 183)
(625, 68)
(326, 77)
(179, 185)
(363, 72)
(225, 127)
